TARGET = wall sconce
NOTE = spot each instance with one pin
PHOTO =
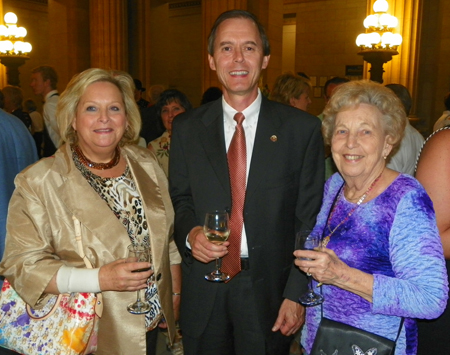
(379, 43)
(13, 50)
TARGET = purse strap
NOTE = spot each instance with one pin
(399, 327)
(77, 226)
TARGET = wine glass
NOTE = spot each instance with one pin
(306, 240)
(139, 253)
(217, 231)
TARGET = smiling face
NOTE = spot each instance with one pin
(169, 112)
(100, 120)
(359, 143)
(238, 58)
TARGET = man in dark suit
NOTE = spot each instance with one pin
(256, 311)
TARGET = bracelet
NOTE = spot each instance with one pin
(176, 294)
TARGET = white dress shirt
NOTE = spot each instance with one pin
(51, 100)
(250, 123)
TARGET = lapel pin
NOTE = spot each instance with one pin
(274, 138)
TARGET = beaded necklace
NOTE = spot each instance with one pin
(360, 201)
(98, 166)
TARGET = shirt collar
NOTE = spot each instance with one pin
(251, 113)
(49, 94)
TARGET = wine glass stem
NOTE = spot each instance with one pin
(310, 283)
(138, 300)
(217, 265)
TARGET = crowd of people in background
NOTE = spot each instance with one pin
(153, 165)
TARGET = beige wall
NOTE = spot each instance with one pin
(176, 43)
(325, 40)
(288, 48)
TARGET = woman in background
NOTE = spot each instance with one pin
(293, 90)
(170, 104)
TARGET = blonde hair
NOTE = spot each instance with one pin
(68, 102)
(289, 86)
(354, 93)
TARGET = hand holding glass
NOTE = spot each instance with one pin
(217, 231)
(139, 253)
(306, 240)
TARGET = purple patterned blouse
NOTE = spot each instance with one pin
(395, 238)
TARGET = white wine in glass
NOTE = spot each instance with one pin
(217, 231)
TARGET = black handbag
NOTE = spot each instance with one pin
(335, 338)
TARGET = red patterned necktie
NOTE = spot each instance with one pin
(237, 165)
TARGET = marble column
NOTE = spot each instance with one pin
(140, 41)
(68, 39)
(108, 28)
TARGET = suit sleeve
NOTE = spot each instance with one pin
(180, 191)
(310, 193)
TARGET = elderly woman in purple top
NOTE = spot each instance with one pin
(383, 258)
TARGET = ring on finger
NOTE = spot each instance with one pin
(307, 272)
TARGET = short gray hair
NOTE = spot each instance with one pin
(354, 93)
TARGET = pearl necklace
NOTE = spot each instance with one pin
(98, 166)
(360, 201)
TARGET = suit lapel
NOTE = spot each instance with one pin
(213, 141)
(155, 212)
(264, 149)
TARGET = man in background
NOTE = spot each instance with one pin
(43, 82)
(404, 158)
(138, 91)
(330, 85)
(13, 104)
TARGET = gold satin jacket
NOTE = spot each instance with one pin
(41, 238)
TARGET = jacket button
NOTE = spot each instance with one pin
(158, 277)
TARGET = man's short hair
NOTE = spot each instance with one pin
(232, 14)
(403, 94)
(337, 80)
(48, 73)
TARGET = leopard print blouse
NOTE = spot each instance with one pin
(123, 199)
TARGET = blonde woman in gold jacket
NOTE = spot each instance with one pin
(99, 121)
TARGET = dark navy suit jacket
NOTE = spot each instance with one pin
(284, 194)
